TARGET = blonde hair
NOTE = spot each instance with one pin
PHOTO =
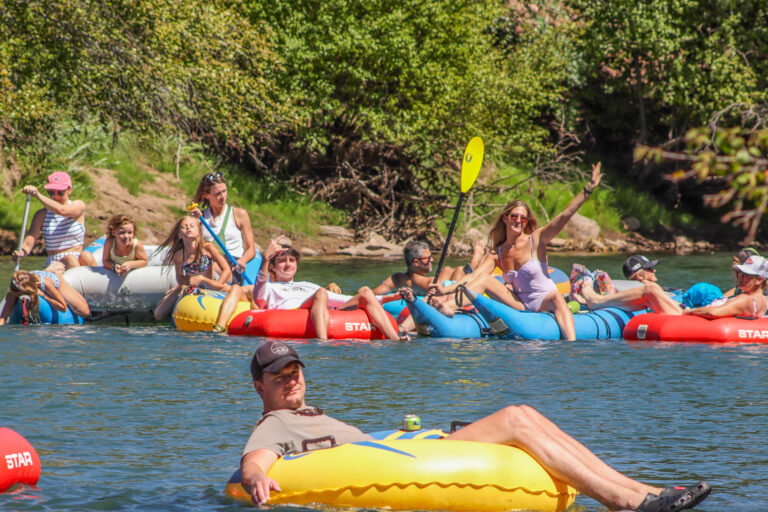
(206, 182)
(118, 220)
(175, 244)
(25, 282)
(498, 234)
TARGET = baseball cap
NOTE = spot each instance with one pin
(745, 253)
(754, 266)
(637, 262)
(58, 180)
(272, 357)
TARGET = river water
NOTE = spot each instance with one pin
(146, 418)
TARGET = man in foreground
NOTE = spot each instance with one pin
(287, 421)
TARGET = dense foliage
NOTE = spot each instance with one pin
(367, 105)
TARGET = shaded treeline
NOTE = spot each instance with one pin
(367, 105)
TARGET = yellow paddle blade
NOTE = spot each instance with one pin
(470, 165)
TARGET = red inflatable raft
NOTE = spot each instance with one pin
(658, 327)
(19, 463)
(296, 323)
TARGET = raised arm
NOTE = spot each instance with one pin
(259, 288)
(254, 467)
(74, 210)
(551, 230)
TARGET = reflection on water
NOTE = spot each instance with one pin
(147, 418)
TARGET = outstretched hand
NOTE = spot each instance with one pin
(261, 487)
(596, 176)
(274, 248)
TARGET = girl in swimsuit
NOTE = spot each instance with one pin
(122, 250)
(520, 251)
(192, 258)
(40, 283)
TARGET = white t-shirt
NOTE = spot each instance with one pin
(291, 295)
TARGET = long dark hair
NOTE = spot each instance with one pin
(206, 182)
(498, 234)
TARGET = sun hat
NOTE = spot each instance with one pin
(637, 262)
(272, 357)
(58, 180)
(754, 266)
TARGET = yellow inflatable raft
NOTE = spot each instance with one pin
(198, 311)
(415, 474)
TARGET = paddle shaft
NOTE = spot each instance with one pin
(230, 258)
(448, 237)
(23, 230)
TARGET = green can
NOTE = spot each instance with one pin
(411, 422)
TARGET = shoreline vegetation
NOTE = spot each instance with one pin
(353, 115)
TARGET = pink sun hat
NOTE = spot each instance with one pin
(58, 180)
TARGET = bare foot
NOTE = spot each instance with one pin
(478, 253)
(442, 307)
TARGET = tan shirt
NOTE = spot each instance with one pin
(284, 431)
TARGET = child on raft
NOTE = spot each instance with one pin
(123, 252)
(40, 283)
(193, 259)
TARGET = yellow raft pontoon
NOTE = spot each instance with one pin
(415, 474)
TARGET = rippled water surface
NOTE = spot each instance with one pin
(147, 418)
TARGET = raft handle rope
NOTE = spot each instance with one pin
(307, 442)
(456, 425)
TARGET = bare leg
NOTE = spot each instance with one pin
(649, 295)
(555, 303)
(319, 313)
(86, 259)
(70, 261)
(165, 307)
(376, 312)
(498, 292)
(562, 455)
(235, 294)
(74, 299)
(56, 267)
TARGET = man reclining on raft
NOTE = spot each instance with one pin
(287, 421)
(282, 292)
(418, 260)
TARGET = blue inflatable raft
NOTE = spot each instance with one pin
(507, 322)
(46, 314)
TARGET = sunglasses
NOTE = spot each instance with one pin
(212, 177)
(425, 258)
(56, 193)
(516, 216)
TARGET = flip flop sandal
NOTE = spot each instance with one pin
(690, 496)
(673, 500)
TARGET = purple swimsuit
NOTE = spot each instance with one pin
(531, 283)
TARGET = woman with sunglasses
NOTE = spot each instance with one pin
(62, 224)
(519, 249)
(231, 224)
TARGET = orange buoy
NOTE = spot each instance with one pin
(19, 463)
(297, 323)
